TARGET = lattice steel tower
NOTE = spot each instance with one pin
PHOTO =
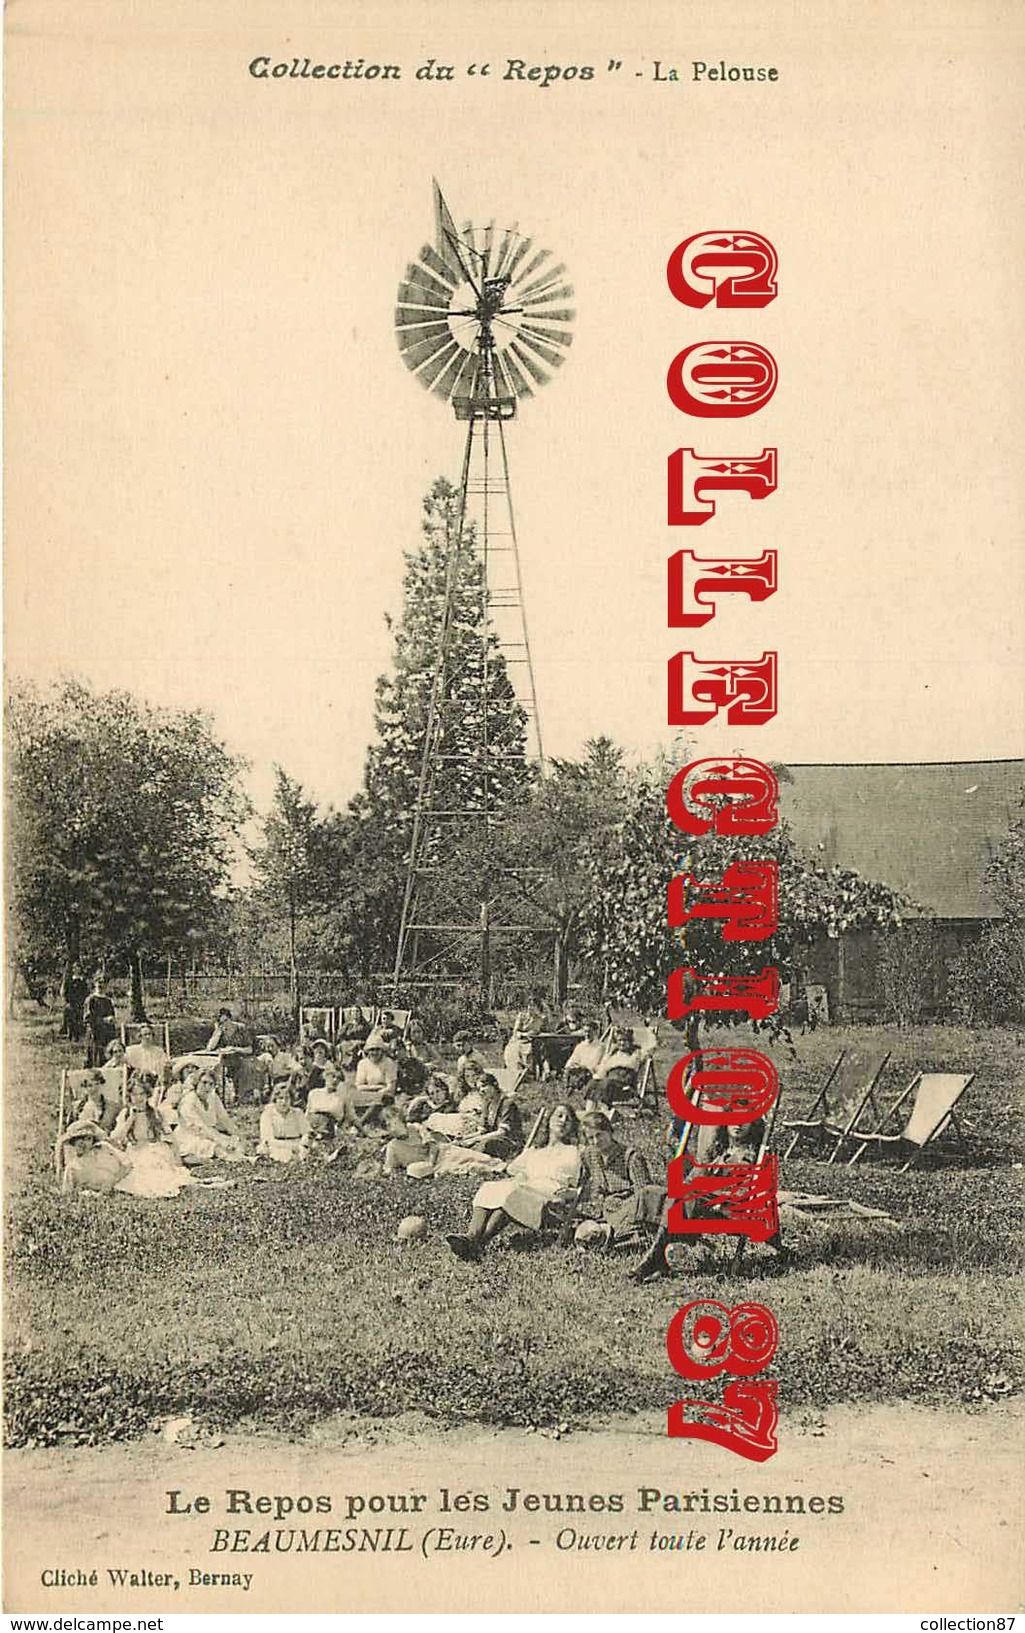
(482, 321)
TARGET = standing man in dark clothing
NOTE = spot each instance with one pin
(100, 1024)
(76, 990)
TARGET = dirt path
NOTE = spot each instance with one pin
(926, 1524)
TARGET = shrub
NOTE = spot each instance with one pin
(987, 981)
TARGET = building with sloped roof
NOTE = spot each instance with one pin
(928, 831)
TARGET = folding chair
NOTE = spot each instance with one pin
(130, 1032)
(317, 1022)
(398, 1018)
(73, 1083)
(843, 1098)
(510, 1078)
(932, 1111)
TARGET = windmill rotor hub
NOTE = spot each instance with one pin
(492, 298)
(482, 314)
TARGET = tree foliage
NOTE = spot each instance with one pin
(371, 844)
(987, 981)
(122, 823)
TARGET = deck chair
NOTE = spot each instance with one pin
(318, 1021)
(72, 1086)
(845, 1096)
(765, 1145)
(510, 1078)
(399, 1018)
(933, 1097)
(130, 1032)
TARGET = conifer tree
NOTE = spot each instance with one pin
(474, 689)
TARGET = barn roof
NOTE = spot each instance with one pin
(927, 830)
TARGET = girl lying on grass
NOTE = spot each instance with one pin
(154, 1169)
(541, 1181)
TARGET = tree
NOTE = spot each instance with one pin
(624, 926)
(558, 845)
(443, 572)
(289, 864)
(987, 981)
(122, 824)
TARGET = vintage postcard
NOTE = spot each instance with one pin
(440, 1174)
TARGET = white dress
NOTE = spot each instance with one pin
(205, 1131)
(535, 1177)
(155, 1170)
(283, 1137)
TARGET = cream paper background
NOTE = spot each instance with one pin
(215, 456)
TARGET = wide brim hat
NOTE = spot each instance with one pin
(376, 1040)
(80, 1128)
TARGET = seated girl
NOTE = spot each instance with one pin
(86, 1161)
(169, 1100)
(540, 1179)
(204, 1128)
(491, 1132)
(415, 1144)
(437, 1100)
(100, 1101)
(139, 1132)
(327, 1106)
(115, 1072)
(618, 1200)
(284, 1130)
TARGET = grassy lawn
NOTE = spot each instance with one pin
(285, 1298)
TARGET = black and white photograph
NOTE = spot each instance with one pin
(401, 404)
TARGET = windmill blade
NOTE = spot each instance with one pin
(538, 305)
(417, 351)
(423, 288)
(441, 268)
(418, 317)
(407, 316)
(444, 382)
(562, 314)
(523, 248)
(537, 286)
(534, 263)
(505, 249)
(465, 381)
(552, 337)
(538, 348)
(534, 369)
(489, 235)
(505, 385)
(521, 385)
(430, 371)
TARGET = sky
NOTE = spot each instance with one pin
(216, 457)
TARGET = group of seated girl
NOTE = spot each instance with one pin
(137, 1155)
(135, 1130)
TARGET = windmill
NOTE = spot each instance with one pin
(481, 321)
